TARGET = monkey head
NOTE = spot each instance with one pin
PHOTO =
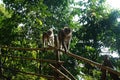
(67, 30)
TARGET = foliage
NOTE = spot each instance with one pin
(22, 23)
(96, 22)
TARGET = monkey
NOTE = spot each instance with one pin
(64, 38)
(48, 38)
(108, 63)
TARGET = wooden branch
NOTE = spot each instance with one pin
(91, 62)
(40, 60)
(30, 73)
(45, 76)
(27, 49)
(58, 71)
(70, 54)
(65, 70)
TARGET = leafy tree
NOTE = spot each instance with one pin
(22, 23)
(23, 29)
(27, 22)
(96, 22)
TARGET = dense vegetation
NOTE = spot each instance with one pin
(22, 23)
